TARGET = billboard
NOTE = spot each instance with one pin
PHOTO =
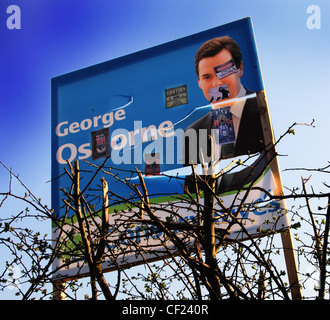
(193, 101)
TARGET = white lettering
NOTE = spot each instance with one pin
(64, 132)
(131, 137)
(64, 128)
(83, 149)
(145, 133)
(165, 129)
(86, 124)
(150, 311)
(120, 114)
(152, 148)
(14, 21)
(96, 121)
(107, 119)
(122, 141)
(314, 20)
(74, 127)
(73, 153)
(174, 146)
(68, 152)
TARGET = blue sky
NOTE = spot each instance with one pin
(59, 36)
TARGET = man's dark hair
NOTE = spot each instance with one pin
(212, 47)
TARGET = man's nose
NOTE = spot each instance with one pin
(216, 82)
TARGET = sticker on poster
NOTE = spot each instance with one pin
(222, 121)
(176, 96)
(152, 163)
(225, 69)
(218, 93)
(100, 143)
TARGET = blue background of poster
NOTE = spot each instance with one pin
(143, 76)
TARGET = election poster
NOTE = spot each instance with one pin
(190, 107)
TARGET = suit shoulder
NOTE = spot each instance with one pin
(202, 123)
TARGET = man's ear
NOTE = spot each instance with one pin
(199, 83)
(240, 70)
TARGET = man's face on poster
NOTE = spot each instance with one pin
(208, 78)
